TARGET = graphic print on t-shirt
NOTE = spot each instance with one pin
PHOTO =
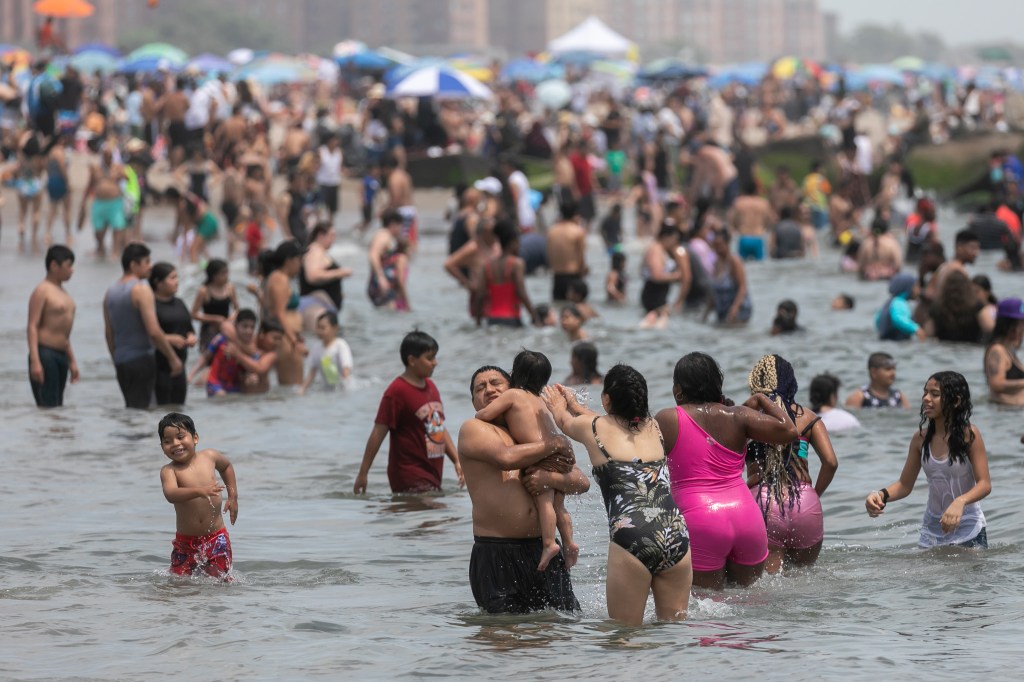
(432, 415)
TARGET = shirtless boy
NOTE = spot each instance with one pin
(51, 313)
(751, 217)
(104, 189)
(189, 483)
(567, 246)
(529, 421)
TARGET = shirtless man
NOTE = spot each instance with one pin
(51, 313)
(965, 251)
(751, 217)
(714, 175)
(567, 246)
(503, 567)
(880, 256)
(398, 184)
(296, 143)
(104, 189)
(171, 109)
(231, 132)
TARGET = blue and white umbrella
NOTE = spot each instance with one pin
(441, 82)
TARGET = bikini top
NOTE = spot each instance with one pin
(600, 445)
(804, 443)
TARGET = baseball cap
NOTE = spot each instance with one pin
(1012, 308)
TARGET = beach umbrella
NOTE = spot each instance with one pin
(670, 68)
(174, 55)
(908, 63)
(881, 73)
(241, 56)
(472, 67)
(995, 53)
(791, 67)
(146, 65)
(347, 48)
(91, 62)
(275, 69)
(365, 61)
(101, 48)
(750, 73)
(441, 82)
(64, 9)
(531, 71)
(553, 94)
(210, 63)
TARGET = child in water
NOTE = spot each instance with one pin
(615, 284)
(879, 391)
(529, 421)
(189, 483)
(952, 453)
(332, 359)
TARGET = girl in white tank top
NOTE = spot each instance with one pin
(952, 453)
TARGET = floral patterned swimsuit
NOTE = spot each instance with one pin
(643, 519)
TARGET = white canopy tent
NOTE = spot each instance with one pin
(592, 35)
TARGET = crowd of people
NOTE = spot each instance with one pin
(681, 510)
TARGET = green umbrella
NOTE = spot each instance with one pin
(176, 56)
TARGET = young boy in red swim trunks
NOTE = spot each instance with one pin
(190, 484)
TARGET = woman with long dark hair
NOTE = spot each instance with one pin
(779, 475)
(648, 549)
(705, 441)
(950, 450)
(1004, 370)
(176, 321)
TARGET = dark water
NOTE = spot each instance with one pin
(334, 586)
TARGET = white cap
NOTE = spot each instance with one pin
(489, 185)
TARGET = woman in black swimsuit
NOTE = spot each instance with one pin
(1004, 371)
(649, 548)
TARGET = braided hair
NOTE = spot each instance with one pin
(956, 413)
(626, 389)
(773, 376)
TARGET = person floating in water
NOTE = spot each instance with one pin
(202, 541)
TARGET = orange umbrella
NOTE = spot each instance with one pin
(64, 9)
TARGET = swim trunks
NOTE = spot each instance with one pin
(751, 248)
(55, 364)
(211, 553)
(207, 226)
(560, 285)
(108, 213)
(504, 577)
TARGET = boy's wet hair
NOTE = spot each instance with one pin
(332, 318)
(176, 420)
(133, 253)
(848, 301)
(487, 368)
(59, 254)
(415, 344)
(246, 315)
(530, 371)
(879, 360)
(542, 310)
(569, 209)
(578, 287)
(966, 236)
(271, 324)
(390, 217)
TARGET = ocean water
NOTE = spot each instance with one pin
(334, 586)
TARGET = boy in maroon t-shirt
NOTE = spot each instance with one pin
(411, 412)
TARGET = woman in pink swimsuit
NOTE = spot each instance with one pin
(704, 443)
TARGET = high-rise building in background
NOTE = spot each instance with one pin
(717, 31)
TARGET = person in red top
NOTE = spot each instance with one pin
(500, 289)
(411, 412)
(584, 193)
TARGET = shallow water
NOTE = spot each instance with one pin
(332, 585)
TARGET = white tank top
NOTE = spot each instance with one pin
(945, 483)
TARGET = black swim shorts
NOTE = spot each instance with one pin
(504, 577)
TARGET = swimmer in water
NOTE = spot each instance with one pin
(189, 483)
(879, 391)
(952, 453)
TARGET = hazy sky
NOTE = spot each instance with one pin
(957, 21)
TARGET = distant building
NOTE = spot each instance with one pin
(719, 31)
